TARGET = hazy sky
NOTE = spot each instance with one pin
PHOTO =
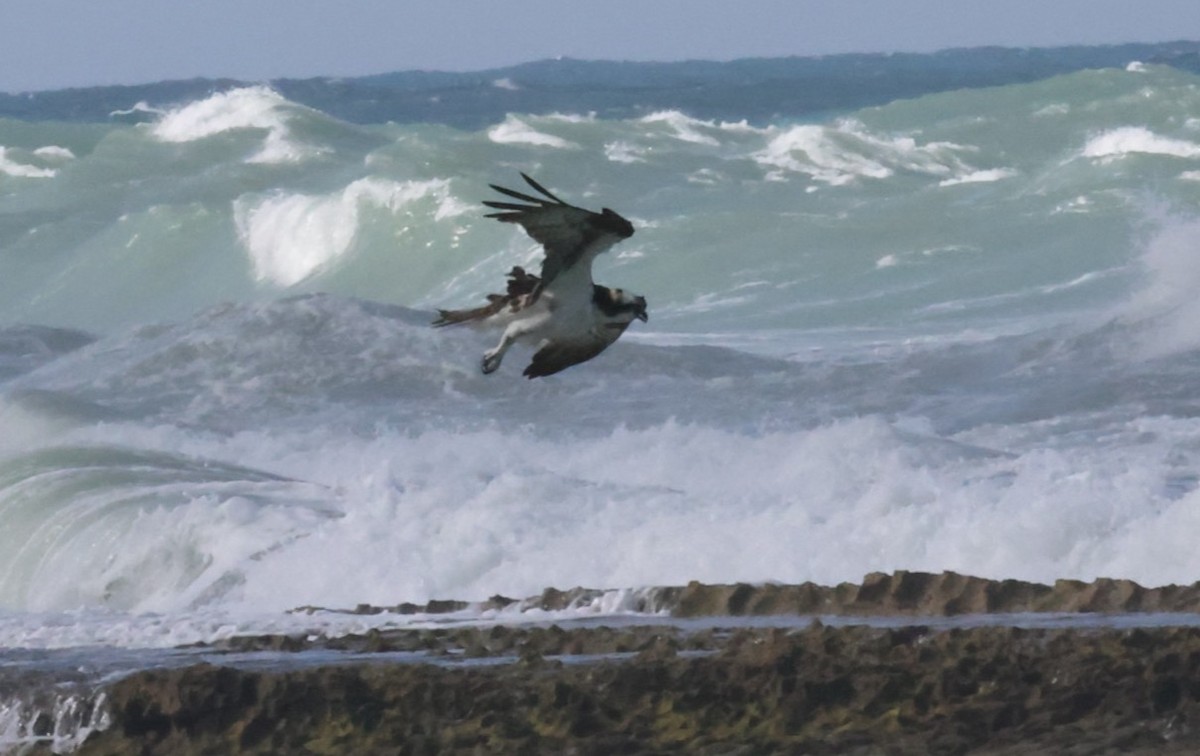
(59, 43)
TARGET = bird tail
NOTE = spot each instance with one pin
(520, 284)
(495, 304)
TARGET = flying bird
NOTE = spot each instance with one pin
(563, 313)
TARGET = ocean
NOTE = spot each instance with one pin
(946, 330)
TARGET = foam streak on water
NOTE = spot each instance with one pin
(952, 332)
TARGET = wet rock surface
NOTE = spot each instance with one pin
(920, 593)
(665, 689)
(901, 593)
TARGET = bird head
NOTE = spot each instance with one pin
(619, 305)
(613, 223)
(639, 311)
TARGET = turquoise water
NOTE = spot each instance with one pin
(956, 331)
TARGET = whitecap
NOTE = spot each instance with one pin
(141, 107)
(1127, 140)
(10, 167)
(811, 149)
(846, 151)
(290, 237)
(625, 152)
(515, 131)
(980, 177)
(54, 152)
(256, 107)
(685, 128)
(589, 117)
(1166, 307)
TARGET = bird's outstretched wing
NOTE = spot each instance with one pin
(562, 354)
(569, 234)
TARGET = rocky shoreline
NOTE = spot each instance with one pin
(667, 687)
(902, 593)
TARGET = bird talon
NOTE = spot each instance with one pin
(490, 363)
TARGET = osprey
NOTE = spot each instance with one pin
(568, 317)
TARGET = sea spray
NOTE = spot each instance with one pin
(946, 332)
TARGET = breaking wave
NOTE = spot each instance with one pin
(953, 332)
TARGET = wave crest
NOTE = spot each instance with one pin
(256, 107)
(290, 237)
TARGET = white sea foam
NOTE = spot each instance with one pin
(576, 118)
(54, 152)
(684, 128)
(625, 152)
(1167, 307)
(246, 108)
(1126, 140)
(10, 167)
(1080, 205)
(513, 130)
(845, 152)
(256, 107)
(140, 107)
(809, 149)
(979, 177)
(468, 515)
(292, 236)
(823, 388)
(743, 127)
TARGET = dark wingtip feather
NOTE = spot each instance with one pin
(506, 205)
(529, 180)
(518, 195)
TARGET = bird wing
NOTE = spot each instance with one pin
(566, 232)
(562, 354)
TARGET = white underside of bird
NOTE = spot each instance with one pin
(562, 313)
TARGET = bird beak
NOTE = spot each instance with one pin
(642, 316)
